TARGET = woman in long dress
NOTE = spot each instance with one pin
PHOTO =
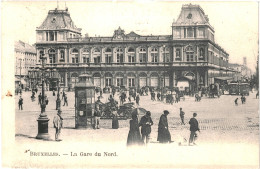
(164, 135)
(134, 136)
(115, 124)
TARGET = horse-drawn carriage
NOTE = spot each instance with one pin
(124, 111)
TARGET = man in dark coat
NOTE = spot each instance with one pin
(164, 135)
(137, 99)
(145, 123)
(194, 127)
(20, 103)
(97, 113)
(40, 99)
(182, 116)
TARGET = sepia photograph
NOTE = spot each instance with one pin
(130, 84)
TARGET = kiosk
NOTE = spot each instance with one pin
(84, 102)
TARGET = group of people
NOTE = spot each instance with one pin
(164, 136)
(243, 100)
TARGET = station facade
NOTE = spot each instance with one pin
(188, 56)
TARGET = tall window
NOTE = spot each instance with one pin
(108, 55)
(142, 55)
(52, 56)
(86, 56)
(201, 54)
(119, 55)
(96, 56)
(154, 55)
(189, 33)
(166, 54)
(62, 56)
(131, 82)
(189, 54)
(75, 56)
(178, 54)
(131, 55)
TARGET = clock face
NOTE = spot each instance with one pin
(119, 36)
(189, 16)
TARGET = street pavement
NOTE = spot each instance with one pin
(224, 128)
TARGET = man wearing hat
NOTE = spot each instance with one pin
(57, 123)
(194, 127)
(145, 123)
(164, 135)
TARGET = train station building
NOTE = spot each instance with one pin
(187, 57)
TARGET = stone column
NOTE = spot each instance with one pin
(66, 79)
(125, 52)
(137, 55)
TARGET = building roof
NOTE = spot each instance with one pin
(58, 19)
(192, 15)
(20, 46)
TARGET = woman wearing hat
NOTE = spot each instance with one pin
(164, 135)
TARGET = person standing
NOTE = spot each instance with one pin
(65, 100)
(20, 103)
(115, 124)
(58, 124)
(134, 136)
(146, 123)
(236, 101)
(137, 100)
(97, 114)
(182, 116)
(40, 99)
(53, 93)
(194, 127)
(164, 135)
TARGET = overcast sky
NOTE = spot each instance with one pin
(235, 23)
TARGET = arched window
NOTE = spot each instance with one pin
(166, 54)
(142, 55)
(119, 55)
(131, 55)
(86, 56)
(108, 55)
(96, 56)
(75, 56)
(52, 56)
(154, 55)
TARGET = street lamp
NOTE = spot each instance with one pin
(58, 95)
(164, 65)
(43, 119)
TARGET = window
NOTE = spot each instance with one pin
(190, 33)
(96, 56)
(189, 54)
(108, 55)
(131, 82)
(119, 81)
(85, 56)
(201, 54)
(119, 55)
(51, 36)
(142, 55)
(166, 54)
(131, 55)
(52, 56)
(75, 56)
(154, 55)
(62, 55)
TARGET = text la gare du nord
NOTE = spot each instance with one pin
(104, 154)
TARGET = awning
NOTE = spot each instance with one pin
(223, 78)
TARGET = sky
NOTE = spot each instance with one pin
(235, 23)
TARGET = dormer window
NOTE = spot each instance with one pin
(53, 20)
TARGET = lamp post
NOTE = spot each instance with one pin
(43, 119)
(58, 96)
(164, 65)
(20, 84)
